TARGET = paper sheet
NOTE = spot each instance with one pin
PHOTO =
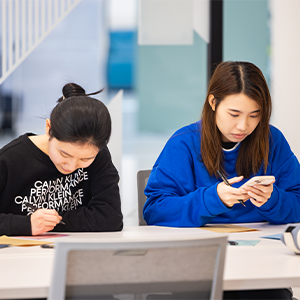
(227, 228)
(5, 240)
(273, 236)
(42, 236)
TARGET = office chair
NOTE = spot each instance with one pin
(175, 269)
(142, 179)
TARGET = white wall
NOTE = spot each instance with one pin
(121, 14)
(285, 73)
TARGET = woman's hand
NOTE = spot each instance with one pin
(44, 220)
(259, 194)
(230, 195)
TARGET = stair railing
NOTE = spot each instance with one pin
(25, 23)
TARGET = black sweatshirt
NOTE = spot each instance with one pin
(88, 199)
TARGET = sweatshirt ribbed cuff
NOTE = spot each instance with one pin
(20, 225)
(213, 203)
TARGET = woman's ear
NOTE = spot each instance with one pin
(212, 102)
(48, 126)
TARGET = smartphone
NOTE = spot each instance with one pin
(264, 180)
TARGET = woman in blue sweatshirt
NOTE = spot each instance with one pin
(235, 137)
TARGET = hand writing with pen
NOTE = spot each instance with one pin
(43, 220)
(230, 195)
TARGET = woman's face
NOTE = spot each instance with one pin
(236, 116)
(67, 157)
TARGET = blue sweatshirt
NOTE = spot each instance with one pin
(181, 193)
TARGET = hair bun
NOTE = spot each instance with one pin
(70, 90)
(73, 89)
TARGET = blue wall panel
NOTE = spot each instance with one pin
(246, 32)
(171, 85)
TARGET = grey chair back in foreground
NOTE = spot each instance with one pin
(174, 269)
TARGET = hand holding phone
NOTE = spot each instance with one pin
(262, 191)
(264, 180)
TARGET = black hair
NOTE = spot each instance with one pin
(78, 118)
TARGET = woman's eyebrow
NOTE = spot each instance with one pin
(89, 157)
(238, 111)
(65, 153)
(234, 110)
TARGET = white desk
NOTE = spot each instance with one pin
(269, 264)
(26, 272)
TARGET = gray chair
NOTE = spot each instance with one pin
(191, 268)
(142, 179)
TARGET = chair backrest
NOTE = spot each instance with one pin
(184, 268)
(142, 179)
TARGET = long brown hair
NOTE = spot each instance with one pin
(234, 78)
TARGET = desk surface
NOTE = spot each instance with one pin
(269, 264)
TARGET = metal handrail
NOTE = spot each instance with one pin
(25, 23)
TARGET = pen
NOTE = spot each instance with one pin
(47, 246)
(227, 183)
(34, 208)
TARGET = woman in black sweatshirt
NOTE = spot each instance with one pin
(63, 180)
